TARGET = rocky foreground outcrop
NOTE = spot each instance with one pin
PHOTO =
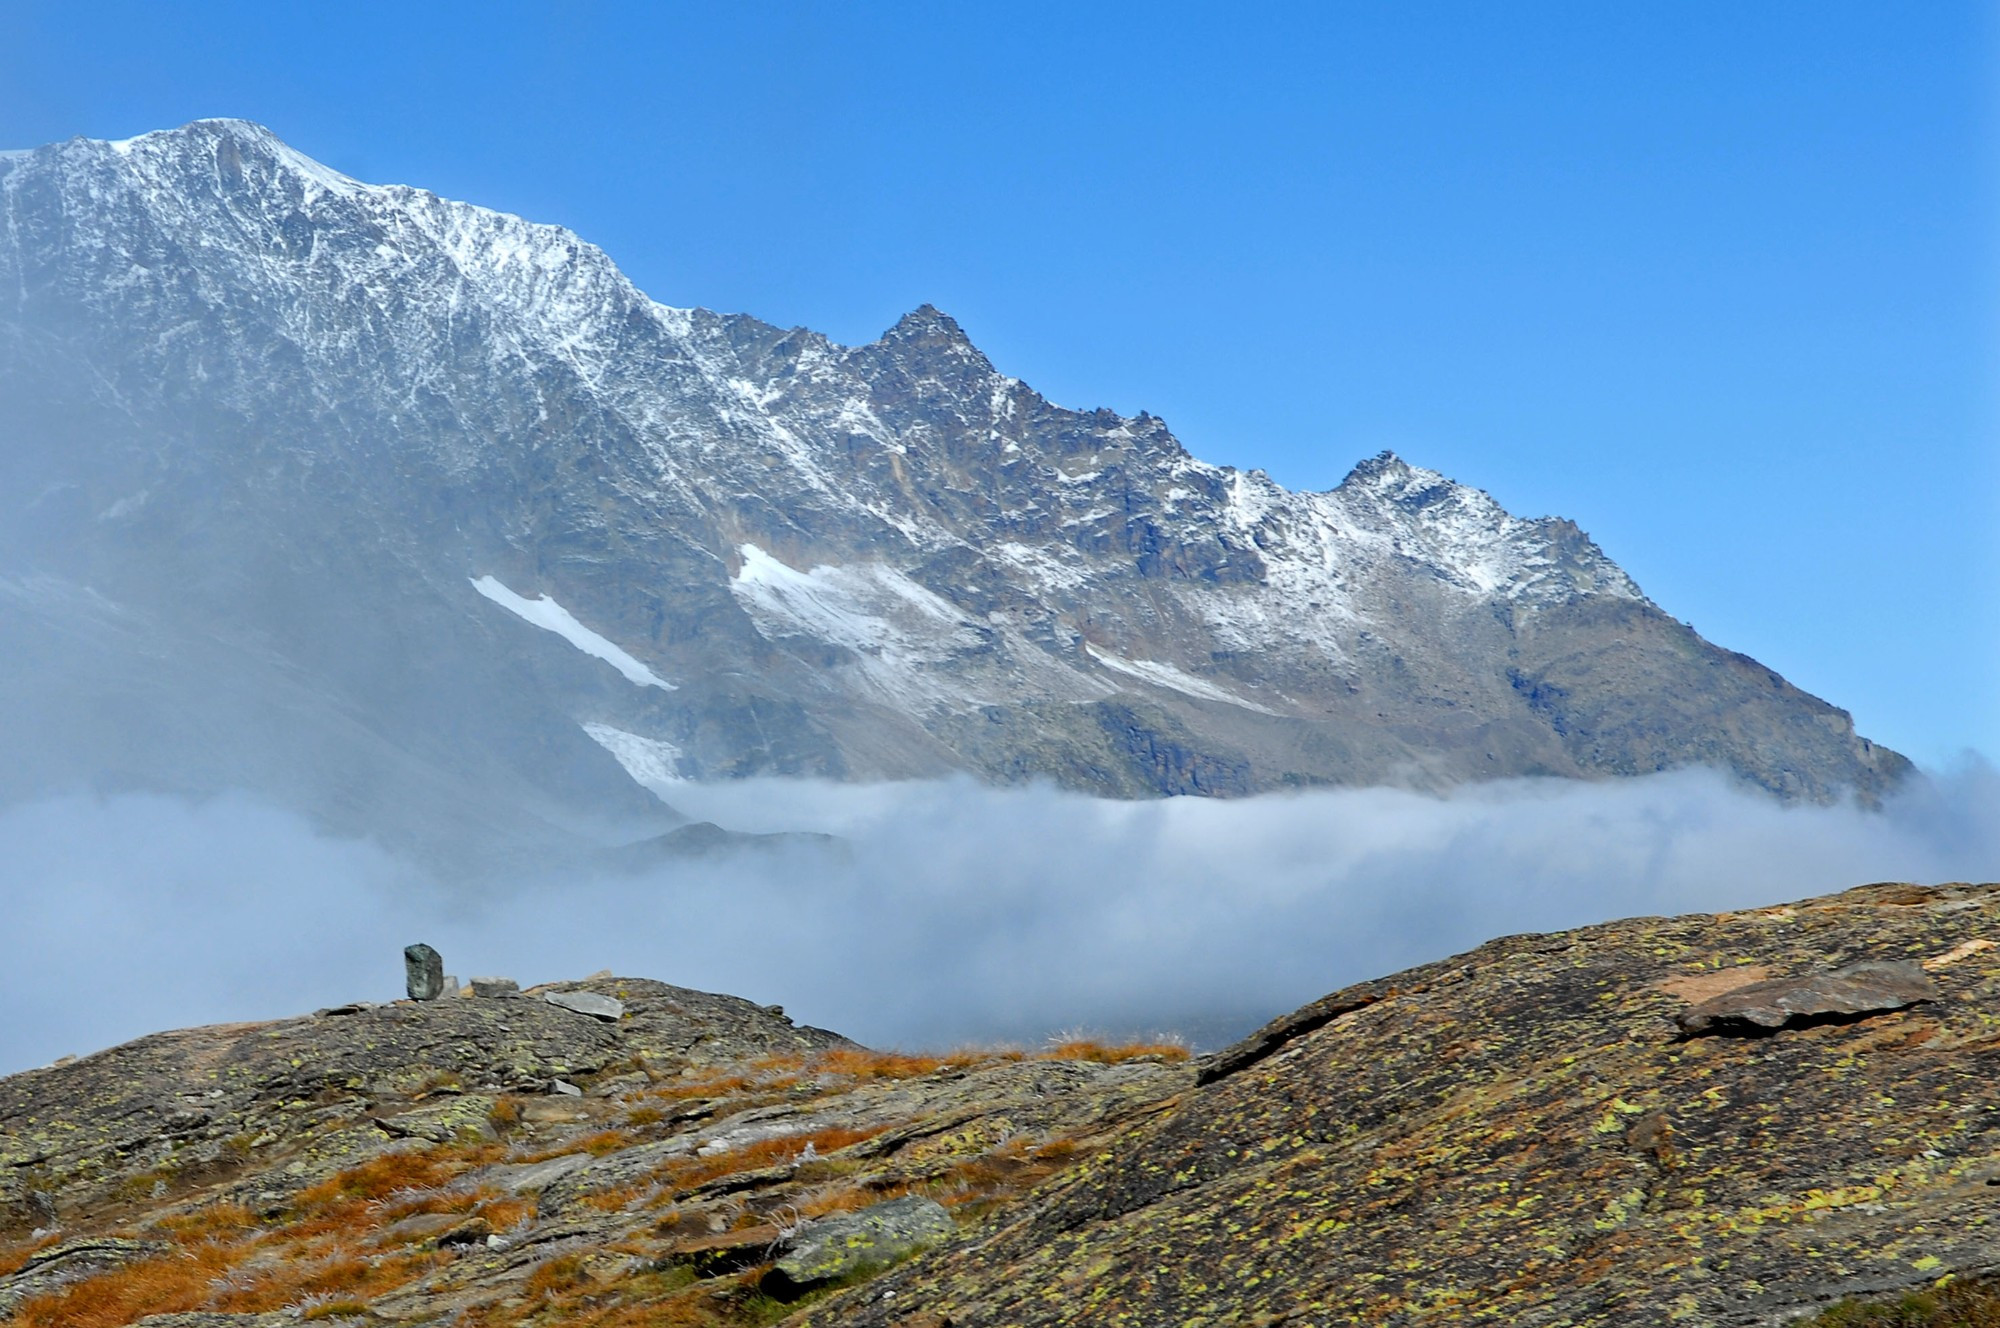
(1711, 1120)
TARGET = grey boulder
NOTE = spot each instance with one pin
(608, 1008)
(871, 1238)
(423, 972)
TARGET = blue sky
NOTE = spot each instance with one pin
(1718, 281)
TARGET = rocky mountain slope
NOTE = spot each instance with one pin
(419, 516)
(1663, 1120)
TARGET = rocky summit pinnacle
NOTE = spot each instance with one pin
(420, 517)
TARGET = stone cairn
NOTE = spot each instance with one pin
(423, 972)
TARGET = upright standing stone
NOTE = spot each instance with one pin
(423, 972)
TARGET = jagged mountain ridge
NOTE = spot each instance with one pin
(358, 433)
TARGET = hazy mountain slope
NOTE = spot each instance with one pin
(256, 401)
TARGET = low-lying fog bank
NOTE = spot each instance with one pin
(955, 913)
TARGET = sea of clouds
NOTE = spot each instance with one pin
(950, 913)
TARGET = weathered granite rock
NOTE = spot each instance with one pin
(1870, 987)
(595, 1004)
(874, 1237)
(423, 972)
(495, 988)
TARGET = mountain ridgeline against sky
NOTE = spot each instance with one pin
(421, 518)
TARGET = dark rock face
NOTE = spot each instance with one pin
(1871, 987)
(294, 462)
(1521, 1135)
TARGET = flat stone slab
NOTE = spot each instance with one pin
(608, 1008)
(874, 1237)
(1870, 987)
(528, 1177)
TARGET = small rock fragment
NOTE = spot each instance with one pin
(495, 988)
(565, 1088)
(608, 1008)
(423, 972)
(1870, 987)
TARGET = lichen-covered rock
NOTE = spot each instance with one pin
(441, 1122)
(1869, 987)
(875, 1237)
(1523, 1136)
(175, 1109)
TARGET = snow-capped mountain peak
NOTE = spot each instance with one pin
(874, 560)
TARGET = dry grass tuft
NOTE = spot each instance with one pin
(1085, 1049)
(221, 1221)
(550, 1279)
(13, 1256)
(169, 1284)
(861, 1064)
(605, 1142)
(1970, 1304)
(505, 1114)
(380, 1177)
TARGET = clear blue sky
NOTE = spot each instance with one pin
(1718, 281)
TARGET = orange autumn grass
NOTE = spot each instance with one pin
(222, 1260)
(859, 1064)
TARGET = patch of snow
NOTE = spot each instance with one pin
(872, 607)
(653, 763)
(1173, 679)
(550, 616)
(913, 650)
(320, 174)
(1040, 569)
